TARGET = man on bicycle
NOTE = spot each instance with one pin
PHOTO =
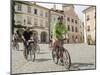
(26, 37)
(15, 39)
(35, 38)
(59, 33)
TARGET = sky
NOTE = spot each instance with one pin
(78, 8)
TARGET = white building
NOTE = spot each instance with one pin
(90, 24)
(41, 20)
(33, 16)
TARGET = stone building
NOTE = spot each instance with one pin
(72, 22)
(41, 20)
(90, 24)
(35, 17)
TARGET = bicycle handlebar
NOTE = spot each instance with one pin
(63, 39)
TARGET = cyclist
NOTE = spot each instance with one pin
(51, 40)
(59, 33)
(15, 39)
(35, 38)
(26, 38)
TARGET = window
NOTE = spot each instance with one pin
(72, 29)
(76, 37)
(19, 8)
(35, 21)
(24, 21)
(68, 28)
(88, 18)
(76, 30)
(35, 11)
(29, 20)
(46, 14)
(88, 29)
(72, 20)
(68, 19)
(41, 13)
(73, 37)
(75, 21)
(29, 9)
(19, 19)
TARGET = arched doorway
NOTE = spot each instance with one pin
(43, 37)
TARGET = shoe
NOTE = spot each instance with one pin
(61, 60)
(25, 56)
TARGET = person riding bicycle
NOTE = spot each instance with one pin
(35, 38)
(27, 34)
(59, 33)
(15, 38)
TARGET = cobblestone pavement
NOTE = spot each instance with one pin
(82, 57)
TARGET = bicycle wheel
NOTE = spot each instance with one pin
(13, 45)
(25, 54)
(66, 59)
(17, 46)
(54, 56)
(33, 54)
(38, 49)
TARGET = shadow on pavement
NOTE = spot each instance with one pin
(42, 60)
(43, 53)
(82, 66)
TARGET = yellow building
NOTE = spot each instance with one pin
(90, 24)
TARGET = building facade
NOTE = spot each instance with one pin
(33, 16)
(90, 24)
(72, 22)
(41, 20)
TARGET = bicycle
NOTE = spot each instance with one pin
(30, 49)
(15, 45)
(62, 54)
(37, 48)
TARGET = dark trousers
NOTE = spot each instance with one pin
(26, 52)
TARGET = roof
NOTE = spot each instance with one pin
(87, 9)
(58, 11)
(67, 5)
